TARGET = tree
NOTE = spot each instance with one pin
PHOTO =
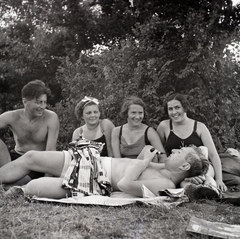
(153, 48)
(182, 53)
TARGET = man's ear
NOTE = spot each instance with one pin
(185, 166)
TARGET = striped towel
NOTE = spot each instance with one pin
(85, 173)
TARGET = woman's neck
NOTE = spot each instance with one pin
(134, 127)
(184, 121)
(91, 127)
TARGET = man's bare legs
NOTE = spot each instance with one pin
(6, 158)
(48, 187)
(50, 162)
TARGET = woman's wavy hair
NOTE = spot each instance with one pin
(131, 100)
(180, 97)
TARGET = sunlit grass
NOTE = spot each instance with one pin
(25, 219)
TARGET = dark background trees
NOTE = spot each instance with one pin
(152, 48)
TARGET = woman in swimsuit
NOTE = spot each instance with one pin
(96, 129)
(129, 139)
(181, 131)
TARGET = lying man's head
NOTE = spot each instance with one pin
(188, 159)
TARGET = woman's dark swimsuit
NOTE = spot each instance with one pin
(101, 139)
(175, 142)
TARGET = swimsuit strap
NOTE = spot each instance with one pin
(81, 133)
(101, 126)
(170, 125)
(81, 130)
(147, 142)
(120, 134)
(195, 126)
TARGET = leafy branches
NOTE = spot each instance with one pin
(152, 48)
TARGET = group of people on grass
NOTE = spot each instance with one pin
(133, 154)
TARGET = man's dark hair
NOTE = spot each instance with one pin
(34, 89)
(199, 163)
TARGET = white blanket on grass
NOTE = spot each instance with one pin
(176, 197)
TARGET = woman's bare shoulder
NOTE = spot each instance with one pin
(201, 125)
(117, 128)
(77, 130)
(106, 123)
(164, 123)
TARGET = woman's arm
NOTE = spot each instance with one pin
(108, 126)
(161, 130)
(53, 131)
(116, 143)
(75, 135)
(157, 144)
(212, 153)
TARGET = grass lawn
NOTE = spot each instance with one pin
(23, 219)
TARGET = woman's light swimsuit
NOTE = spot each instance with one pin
(132, 150)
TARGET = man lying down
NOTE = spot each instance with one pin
(126, 175)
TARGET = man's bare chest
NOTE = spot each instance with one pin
(30, 131)
(150, 173)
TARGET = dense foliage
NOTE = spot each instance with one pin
(152, 48)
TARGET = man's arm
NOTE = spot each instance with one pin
(154, 185)
(53, 131)
(6, 119)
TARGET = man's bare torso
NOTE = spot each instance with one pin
(29, 135)
(120, 166)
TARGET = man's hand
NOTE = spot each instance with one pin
(196, 180)
(149, 153)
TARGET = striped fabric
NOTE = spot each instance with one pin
(85, 173)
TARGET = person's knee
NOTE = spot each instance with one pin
(46, 187)
(30, 157)
(32, 188)
(28, 189)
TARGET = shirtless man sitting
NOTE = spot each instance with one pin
(33, 127)
(125, 175)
